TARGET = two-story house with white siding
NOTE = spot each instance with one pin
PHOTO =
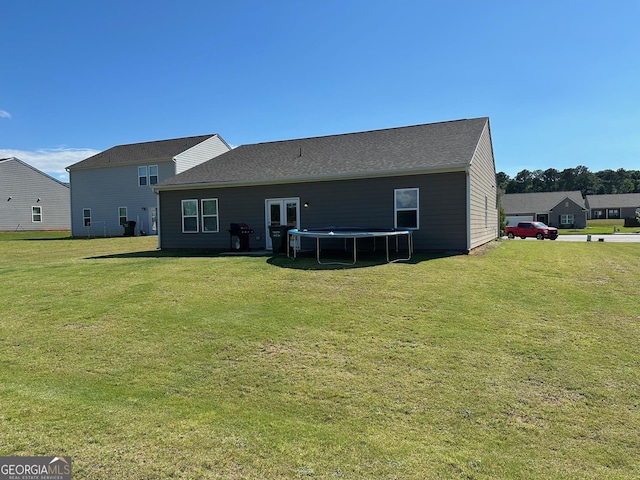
(31, 200)
(113, 188)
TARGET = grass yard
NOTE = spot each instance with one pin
(520, 362)
(600, 227)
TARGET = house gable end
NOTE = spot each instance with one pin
(145, 152)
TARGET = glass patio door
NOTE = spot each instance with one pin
(281, 211)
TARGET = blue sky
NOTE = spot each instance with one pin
(559, 79)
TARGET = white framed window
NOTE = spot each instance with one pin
(189, 216)
(210, 222)
(406, 208)
(613, 213)
(142, 176)
(36, 214)
(86, 217)
(122, 215)
(566, 219)
(153, 174)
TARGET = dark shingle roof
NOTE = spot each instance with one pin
(419, 148)
(14, 159)
(614, 200)
(538, 201)
(140, 152)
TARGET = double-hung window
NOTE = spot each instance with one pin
(189, 216)
(36, 214)
(406, 208)
(566, 219)
(122, 215)
(153, 174)
(142, 176)
(210, 222)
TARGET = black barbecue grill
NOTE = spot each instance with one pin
(239, 236)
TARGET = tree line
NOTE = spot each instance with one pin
(570, 179)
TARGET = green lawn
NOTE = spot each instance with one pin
(518, 362)
(600, 227)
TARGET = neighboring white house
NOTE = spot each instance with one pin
(113, 188)
(30, 199)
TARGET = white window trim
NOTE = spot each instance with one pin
(416, 209)
(126, 215)
(145, 176)
(196, 216)
(217, 215)
(569, 217)
(39, 207)
(156, 175)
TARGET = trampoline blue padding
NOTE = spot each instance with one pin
(353, 233)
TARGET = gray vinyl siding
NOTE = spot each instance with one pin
(200, 153)
(626, 212)
(482, 191)
(361, 202)
(104, 190)
(568, 207)
(25, 185)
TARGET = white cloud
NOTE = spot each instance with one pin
(4, 114)
(52, 161)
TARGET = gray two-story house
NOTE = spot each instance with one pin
(31, 200)
(114, 187)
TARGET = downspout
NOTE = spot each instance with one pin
(468, 180)
(70, 205)
(157, 218)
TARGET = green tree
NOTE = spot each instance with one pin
(551, 179)
(627, 186)
(502, 180)
(503, 219)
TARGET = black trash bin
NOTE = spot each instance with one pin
(278, 234)
(129, 228)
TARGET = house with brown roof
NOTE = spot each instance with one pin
(556, 209)
(31, 200)
(437, 179)
(113, 188)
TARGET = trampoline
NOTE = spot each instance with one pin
(354, 234)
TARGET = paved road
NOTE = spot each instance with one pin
(619, 237)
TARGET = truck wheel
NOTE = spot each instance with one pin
(539, 236)
(524, 238)
(510, 235)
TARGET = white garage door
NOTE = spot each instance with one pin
(514, 219)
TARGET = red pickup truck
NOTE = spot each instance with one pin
(532, 229)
